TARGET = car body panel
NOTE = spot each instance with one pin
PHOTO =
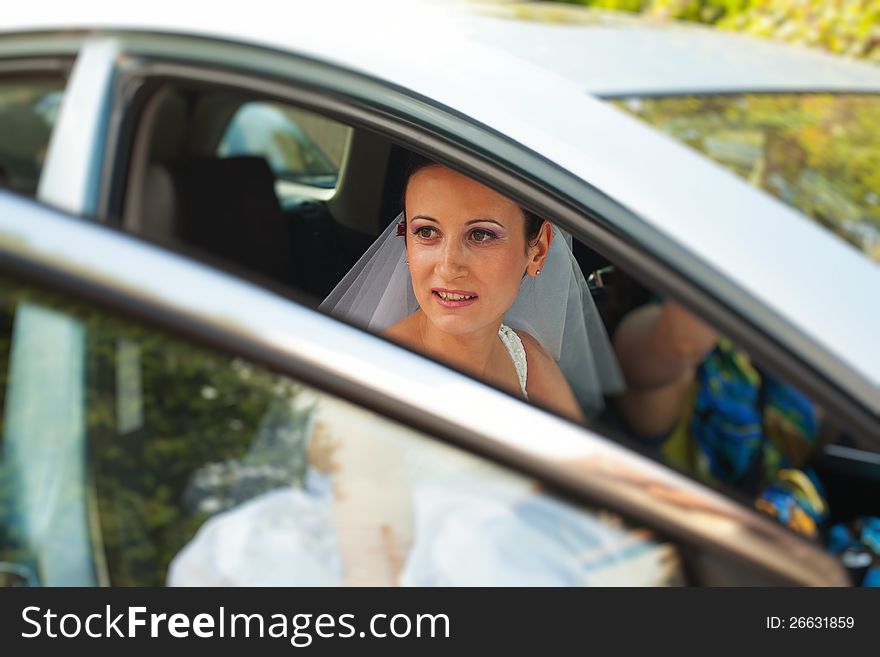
(622, 55)
(71, 178)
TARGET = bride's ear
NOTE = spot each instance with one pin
(539, 249)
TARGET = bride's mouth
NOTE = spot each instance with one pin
(453, 298)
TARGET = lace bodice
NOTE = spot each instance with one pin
(517, 352)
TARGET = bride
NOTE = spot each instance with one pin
(469, 277)
(466, 276)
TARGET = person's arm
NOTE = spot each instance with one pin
(659, 347)
(546, 384)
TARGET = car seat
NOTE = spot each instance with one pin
(228, 207)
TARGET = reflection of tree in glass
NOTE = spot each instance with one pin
(276, 457)
(27, 113)
(194, 410)
(215, 432)
(820, 153)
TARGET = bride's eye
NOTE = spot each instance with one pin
(481, 236)
(425, 232)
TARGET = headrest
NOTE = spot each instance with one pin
(228, 207)
(225, 189)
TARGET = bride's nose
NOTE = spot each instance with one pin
(451, 262)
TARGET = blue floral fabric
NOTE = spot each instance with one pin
(747, 429)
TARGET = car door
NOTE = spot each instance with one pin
(118, 99)
(154, 408)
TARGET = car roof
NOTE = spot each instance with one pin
(811, 278)
(613, 54)
(604, 53)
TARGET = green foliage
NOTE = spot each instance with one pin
(848, 27)
(616, 5)
(702, 11)
(162, 418)
(817, 152)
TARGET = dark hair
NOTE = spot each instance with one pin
(416, 163)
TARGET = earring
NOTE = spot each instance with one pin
(537, 272)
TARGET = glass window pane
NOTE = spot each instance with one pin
(28, 109)
(299, 146)
(819, 153)
(130, 457)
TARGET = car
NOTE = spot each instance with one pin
(168, 379)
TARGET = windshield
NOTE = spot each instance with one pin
(819, 153)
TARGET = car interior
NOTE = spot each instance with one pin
(183, 193)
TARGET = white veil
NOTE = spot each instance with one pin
(555, 308)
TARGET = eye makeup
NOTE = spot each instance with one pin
(426, 228)
(483, 235)
(417, 231)
(492, 230)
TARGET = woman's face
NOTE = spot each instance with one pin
(467, 250)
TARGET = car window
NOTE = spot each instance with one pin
(28, 109)
(130, 457)
(819, 153)
(300, 147)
